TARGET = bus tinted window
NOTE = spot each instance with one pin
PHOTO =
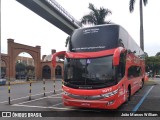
(134, 71)
(90, 73)
(94, 39)
(121, 66)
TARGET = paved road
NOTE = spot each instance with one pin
(146, 99)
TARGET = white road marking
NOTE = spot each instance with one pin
(53, 97)
(56, 108)
(43, 107)
(27, 96)
(57, 104)
(38, 99)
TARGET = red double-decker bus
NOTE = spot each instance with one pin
(103, 67)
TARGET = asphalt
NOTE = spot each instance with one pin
(52, 102)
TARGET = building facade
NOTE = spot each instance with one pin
(42, 67)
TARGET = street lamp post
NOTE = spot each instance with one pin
(9, 86)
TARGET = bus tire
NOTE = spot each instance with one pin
(142, 83)
(128, 94)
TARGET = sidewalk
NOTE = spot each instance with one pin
(25, 82)
(152, 81)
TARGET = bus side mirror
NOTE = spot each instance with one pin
(56, 55)
(129, 51)
(116, 55)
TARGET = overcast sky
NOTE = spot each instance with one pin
(26, 27)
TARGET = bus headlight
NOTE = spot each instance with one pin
(106, 95)
(66, 93)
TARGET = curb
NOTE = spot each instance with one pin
(26, 82)
(20, 83)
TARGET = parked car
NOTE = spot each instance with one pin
(2, 81)
(157, 76)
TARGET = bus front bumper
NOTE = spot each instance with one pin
(105, 104)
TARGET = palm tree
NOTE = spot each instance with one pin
(67, 40)
(131, 8)
(96, 16)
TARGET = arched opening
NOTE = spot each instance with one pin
(46, 72)
(58, 71)
(24, 67)
(3, 69)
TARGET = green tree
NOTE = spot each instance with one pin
(158, 54)
(29, 67)
(131, 8)
(146, 54)
(96, 16)
(20, 69)
(30, 71)
(153, 64)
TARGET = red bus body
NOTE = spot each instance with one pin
(112, 96)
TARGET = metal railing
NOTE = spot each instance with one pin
(64, 12)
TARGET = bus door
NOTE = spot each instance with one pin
(134, 76)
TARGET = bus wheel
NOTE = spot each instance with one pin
(128, 94)
(142, 83)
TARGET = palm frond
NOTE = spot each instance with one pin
(94, 11)
(131, 5)
(96, 16)
(87, 19)
(102, 14)
(91, 7)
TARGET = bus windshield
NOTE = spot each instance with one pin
(94, 39)
(91, 73)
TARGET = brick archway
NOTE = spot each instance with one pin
(14, 49)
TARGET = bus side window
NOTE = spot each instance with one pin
(121, 66)
(130, 72)
(134, 71)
